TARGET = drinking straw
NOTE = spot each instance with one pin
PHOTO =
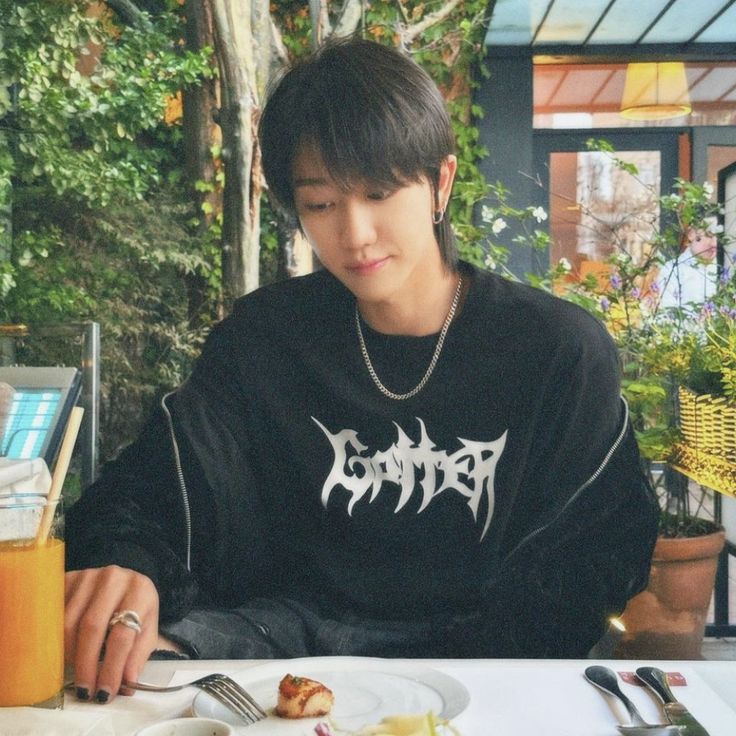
(57, 479)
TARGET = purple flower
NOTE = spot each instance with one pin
(654, 287)
(709, 309)
(616, 281)
(636, 292)
(725, 275)
(605, 304)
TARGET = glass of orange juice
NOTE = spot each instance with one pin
(31, 602)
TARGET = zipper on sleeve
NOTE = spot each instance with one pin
(182, 482)
(596, 474)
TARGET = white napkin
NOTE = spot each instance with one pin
(40, 721)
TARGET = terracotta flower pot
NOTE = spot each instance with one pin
(667, 619)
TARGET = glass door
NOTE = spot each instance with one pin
(595, 206)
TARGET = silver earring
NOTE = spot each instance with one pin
(438, 216)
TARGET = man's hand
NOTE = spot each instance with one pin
(92, 597)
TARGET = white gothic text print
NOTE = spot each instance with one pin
(469, 470)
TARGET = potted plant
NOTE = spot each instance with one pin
(671, 358)
(696, 354)
(707, 397)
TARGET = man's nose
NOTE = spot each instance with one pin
(357, 225)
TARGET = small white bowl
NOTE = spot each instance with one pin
(187, 727)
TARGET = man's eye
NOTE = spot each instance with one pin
(317, 206)
(378, 195)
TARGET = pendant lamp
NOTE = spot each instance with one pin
(655, 91)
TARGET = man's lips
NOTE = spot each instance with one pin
(364, 268)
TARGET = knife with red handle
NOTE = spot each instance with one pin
(675, 711)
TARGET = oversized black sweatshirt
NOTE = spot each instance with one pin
(507, 495)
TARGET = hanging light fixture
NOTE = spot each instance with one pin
(655, 91)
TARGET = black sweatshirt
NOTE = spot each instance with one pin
(507, 494)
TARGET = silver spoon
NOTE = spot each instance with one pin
(605, 679)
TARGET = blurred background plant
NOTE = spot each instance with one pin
(94, 217)
(661, 347)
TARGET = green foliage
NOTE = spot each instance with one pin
(81, 134)
(101, 229)
(123, 268)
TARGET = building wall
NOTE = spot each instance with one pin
(710, 136)
(507, 132)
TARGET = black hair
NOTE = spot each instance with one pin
(372, 112)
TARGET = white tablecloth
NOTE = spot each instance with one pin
(507, 697)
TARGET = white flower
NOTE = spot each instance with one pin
(565, 265)
(539, 214)
(487, 213)
(708, 188)
(491, 263)
(498, 225)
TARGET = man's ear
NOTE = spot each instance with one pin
(444, 182)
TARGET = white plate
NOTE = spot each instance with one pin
(365, 691)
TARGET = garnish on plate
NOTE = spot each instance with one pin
(427, 724)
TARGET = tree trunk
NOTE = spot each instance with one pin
(200, 133)
(236, 50)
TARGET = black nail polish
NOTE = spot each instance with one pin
(102, 696)
(82, 693)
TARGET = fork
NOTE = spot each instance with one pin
(221, 687)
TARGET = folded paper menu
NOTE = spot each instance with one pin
(34, 721)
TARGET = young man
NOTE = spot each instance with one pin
(399, 455)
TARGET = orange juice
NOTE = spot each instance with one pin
(31, 621)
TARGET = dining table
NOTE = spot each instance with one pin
(480, 697)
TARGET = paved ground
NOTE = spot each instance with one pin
(719, 649)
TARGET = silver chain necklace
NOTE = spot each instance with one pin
(432, 363)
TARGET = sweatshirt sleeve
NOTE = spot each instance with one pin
(582, 528)
(556, 591)
(173, 518)
(134, 516)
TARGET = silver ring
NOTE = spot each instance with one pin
(127, 618)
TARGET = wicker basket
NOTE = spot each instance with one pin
(707, 452)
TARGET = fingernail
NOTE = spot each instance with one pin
(102, 696)
(82, 693)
